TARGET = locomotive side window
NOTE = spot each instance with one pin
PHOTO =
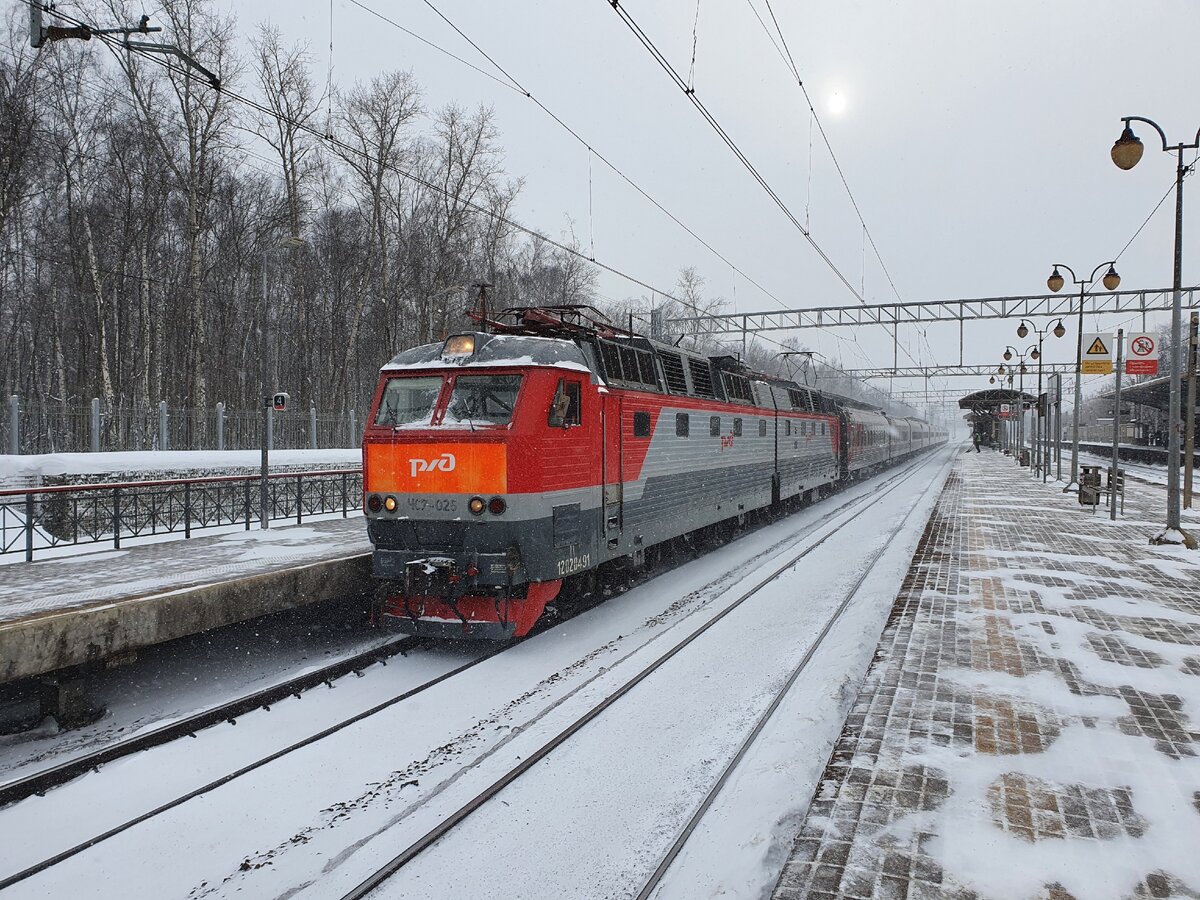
(762, 427)
(681, 424)
(641, 424)
(737, 427)
(787, 427)
(482, 400)
(714, 426)
(566, 407)
(408, 401)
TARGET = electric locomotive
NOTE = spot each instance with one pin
(499, 464)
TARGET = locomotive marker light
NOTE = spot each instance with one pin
(1126, 152)
(476, 506)
(1055, 282)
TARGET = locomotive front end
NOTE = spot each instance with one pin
(454, 504)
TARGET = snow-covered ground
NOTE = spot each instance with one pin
(166, 461)
(590, 820)
(170, 681)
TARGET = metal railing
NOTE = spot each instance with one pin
(33, 519)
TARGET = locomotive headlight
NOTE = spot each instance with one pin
(374, 503)
(476, 506)
(497, 505)
(389, 504)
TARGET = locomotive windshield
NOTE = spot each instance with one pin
(408, 401)
(482, 400)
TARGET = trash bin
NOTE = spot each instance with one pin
(1089, 485)
(1024, 457)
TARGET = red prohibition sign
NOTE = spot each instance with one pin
(1142, 346)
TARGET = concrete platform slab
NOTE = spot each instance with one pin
(70, 610)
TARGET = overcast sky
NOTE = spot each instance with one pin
(975, 137)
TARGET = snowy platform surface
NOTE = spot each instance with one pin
(87, 607)
(1029, 725)
(108, 576)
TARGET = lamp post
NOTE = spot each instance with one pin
(1126, 152)
(1041, 453)
(1055, 282)
(1009, 353)
(264, 356)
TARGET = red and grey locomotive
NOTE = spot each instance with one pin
(497, 465)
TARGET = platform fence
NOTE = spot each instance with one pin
(39, 519)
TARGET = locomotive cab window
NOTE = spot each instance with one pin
(565, 407)
(641, 424)
(482, 400)
(408, 401)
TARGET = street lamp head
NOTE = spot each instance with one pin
(1008, 354)
(1000, 369)
(1127, 149)
(1023, 369)
(1035, 353)
(1055, 282)
(1111, 279)
(1022, 331)
(992, 380)
(1059, 329)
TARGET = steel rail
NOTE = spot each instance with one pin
(64, 855)
(660, 872)
(44, 780)
(456, 818)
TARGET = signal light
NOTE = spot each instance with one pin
(476, 506)
(374, 503)
(497, 505)
(390, 504)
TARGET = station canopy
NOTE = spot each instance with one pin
(988, 402)
(1155, 392)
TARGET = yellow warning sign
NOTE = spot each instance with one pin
(1097, 357)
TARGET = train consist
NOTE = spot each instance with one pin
(501, 466)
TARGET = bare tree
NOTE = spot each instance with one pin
(192, 134)
(371, 122)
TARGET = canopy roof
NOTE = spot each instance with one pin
(989, 401)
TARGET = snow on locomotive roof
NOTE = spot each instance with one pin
(495, 350)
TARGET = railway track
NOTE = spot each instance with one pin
(47, 779)
(224, 714)
(463, 812)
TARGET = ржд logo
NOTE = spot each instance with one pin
(445, 463)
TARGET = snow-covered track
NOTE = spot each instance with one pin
(857, 508)
(660, 872)
(41, 781)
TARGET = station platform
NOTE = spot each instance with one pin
(1030, 725)
(89, 607)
